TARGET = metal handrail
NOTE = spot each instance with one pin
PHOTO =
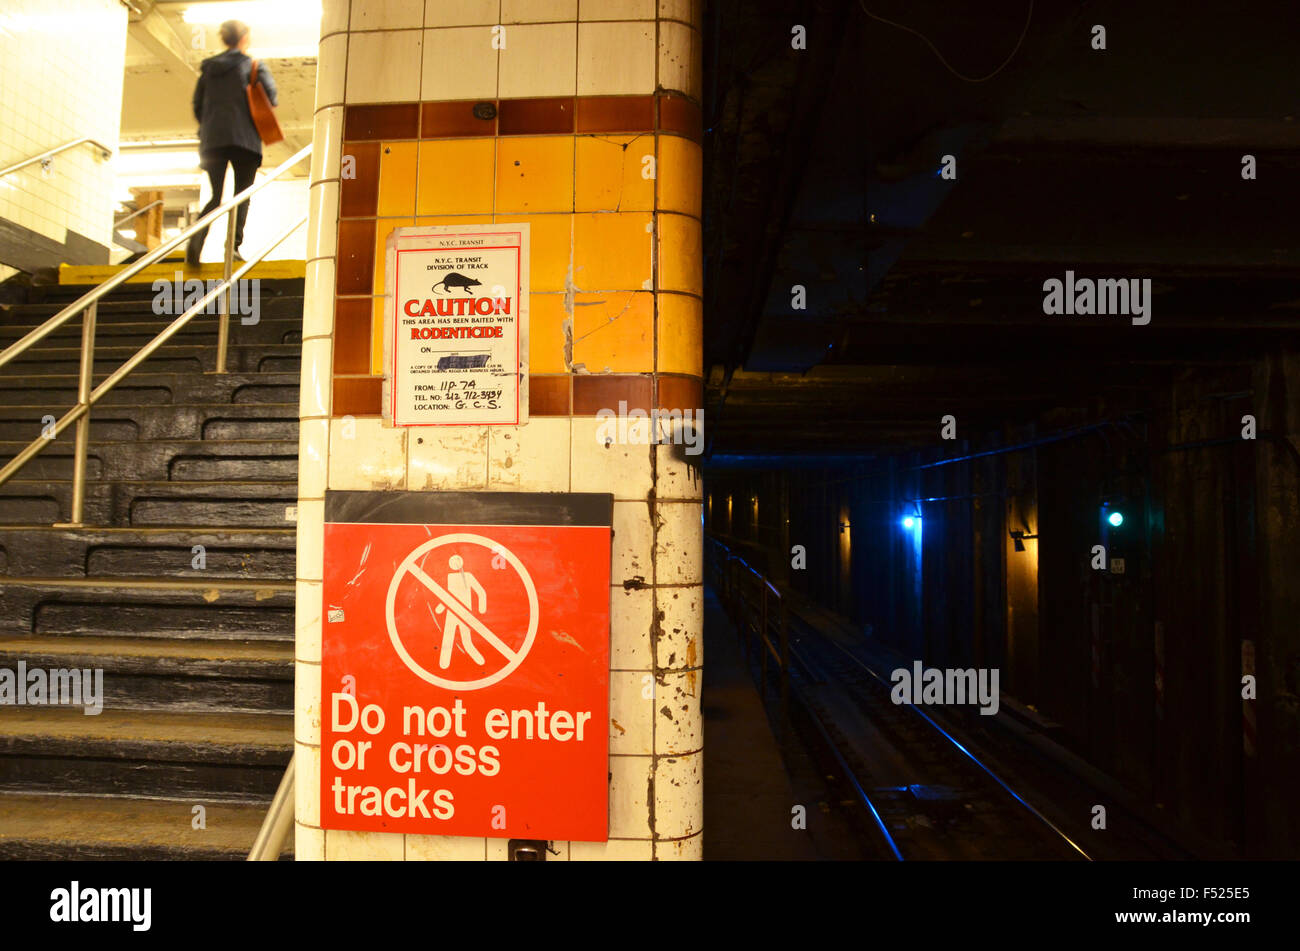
(279, 818)
(137, 213)
(764, 625)
(93, 296)
(50, 153)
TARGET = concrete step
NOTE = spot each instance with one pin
(60, 295)
(158, 504)
(116, 311)
(140, 328)
(173, 421)
(148, 674)
(208, 460)
(59, 390)
(155, 608)
(170, 358)
(231, 757)
(142, 553)
(36, 827)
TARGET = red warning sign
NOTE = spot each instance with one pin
(465, 664)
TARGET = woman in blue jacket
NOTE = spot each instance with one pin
(227, 135)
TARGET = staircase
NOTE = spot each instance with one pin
(195, 643)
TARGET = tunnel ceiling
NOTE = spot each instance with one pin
(924, 296)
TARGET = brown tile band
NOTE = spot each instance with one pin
(663, 112)
(549, 395)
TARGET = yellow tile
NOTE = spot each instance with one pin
(681, 334)
(612, 252)
(455, 177)
(546, 337)
(681, 175)
(549, 237)
(681, 259)
(377, 338)
(614, 333)
(397, 179)
(535, 173)
(383, 228)
(453, 220)
(610, 173)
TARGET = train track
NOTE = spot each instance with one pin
(924, 794)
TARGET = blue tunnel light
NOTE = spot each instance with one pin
(1116, 519)
(910, 521)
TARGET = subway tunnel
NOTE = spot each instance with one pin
(918, 443)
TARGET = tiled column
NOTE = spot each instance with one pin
(593, 138)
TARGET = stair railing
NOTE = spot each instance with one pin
(88, 395)
(44, 157)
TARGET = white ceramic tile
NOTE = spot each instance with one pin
(632, 702)
(688, 11)
(306, 713)
(331, 70)
(459, 63)
(327, 143)
(445, 848)
(450, 457)
(387, 15)
(679, 543)
(681, 850)
(384, 67)
(679, 795)
(632, 544)
(677, 464)
(616, 9)
(539, 60)
(311, 536)
(615, 850)
(322, 220)
(318, 298)
(629, 810)
(603, 463)
(314, 388)
(461, 12)
(313, 449)
(680, 642)
(678, 728)
(334, 16)
(679, 65)
(306, 784)
(616, 59)
(308, 844)
(631, 613)
(538, 11)
(343, 846)
(530, 458)
(307, 621)
(366, 456)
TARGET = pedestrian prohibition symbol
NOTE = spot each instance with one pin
(456, 599)
(465, 664)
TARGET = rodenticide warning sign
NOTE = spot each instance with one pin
(456, 330)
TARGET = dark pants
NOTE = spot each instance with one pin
(245, 165)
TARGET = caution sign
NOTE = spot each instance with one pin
(465, 664)
(456, 335)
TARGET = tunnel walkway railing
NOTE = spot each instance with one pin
(88, 303)
(759, 611)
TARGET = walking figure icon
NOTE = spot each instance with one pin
(461, 585)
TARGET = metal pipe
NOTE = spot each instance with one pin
(82, 408)
(137, 213)
(279, 818)
(50, 153)
(77, 306)
(82, 444)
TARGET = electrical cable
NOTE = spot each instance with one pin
(964, 78)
